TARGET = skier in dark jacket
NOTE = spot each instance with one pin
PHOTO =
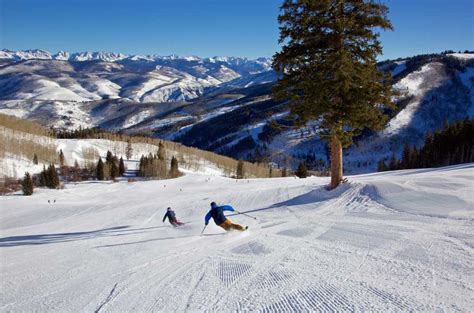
(172, 218)
(217, 213)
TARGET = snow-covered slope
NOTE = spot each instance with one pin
(397, 241)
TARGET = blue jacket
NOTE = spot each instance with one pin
(170, 215)
(217, 213)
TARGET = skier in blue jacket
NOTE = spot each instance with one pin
(217, 213)
(172, 218)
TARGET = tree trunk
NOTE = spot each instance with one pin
(336, 161)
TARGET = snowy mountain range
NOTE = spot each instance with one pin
(86, 76)
(222, 104)
(38, 54)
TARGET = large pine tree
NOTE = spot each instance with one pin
(328, 71)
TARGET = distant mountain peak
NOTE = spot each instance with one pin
(107, 56)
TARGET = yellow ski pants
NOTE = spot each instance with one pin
(228, 225)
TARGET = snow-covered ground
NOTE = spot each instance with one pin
(394, 241)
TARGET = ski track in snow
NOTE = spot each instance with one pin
(103, 248)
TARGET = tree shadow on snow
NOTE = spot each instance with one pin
(41, 239)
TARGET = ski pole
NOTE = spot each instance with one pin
(203, 229)
(246, 215)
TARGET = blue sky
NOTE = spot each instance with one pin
(210, 27)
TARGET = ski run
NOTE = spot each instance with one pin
(392, 241)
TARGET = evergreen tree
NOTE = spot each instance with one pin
(427, 153)
(328, 68)
(129, 150)
(174, 170)
(284, 172)
(121, 167)
(393, 165)
(109, 157)
(27, 185)
(270, 172)
(76, 174)
(35, 159)
(114, 169)
(141, 166)
(53, 177)
(62, 160)
(450, 145)
(240, 170)
(152, 166)
(43, 179)
(49, 177)
(381, 166)
(414, 161)
(406, 161)
(302, 172)
(100, 170)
